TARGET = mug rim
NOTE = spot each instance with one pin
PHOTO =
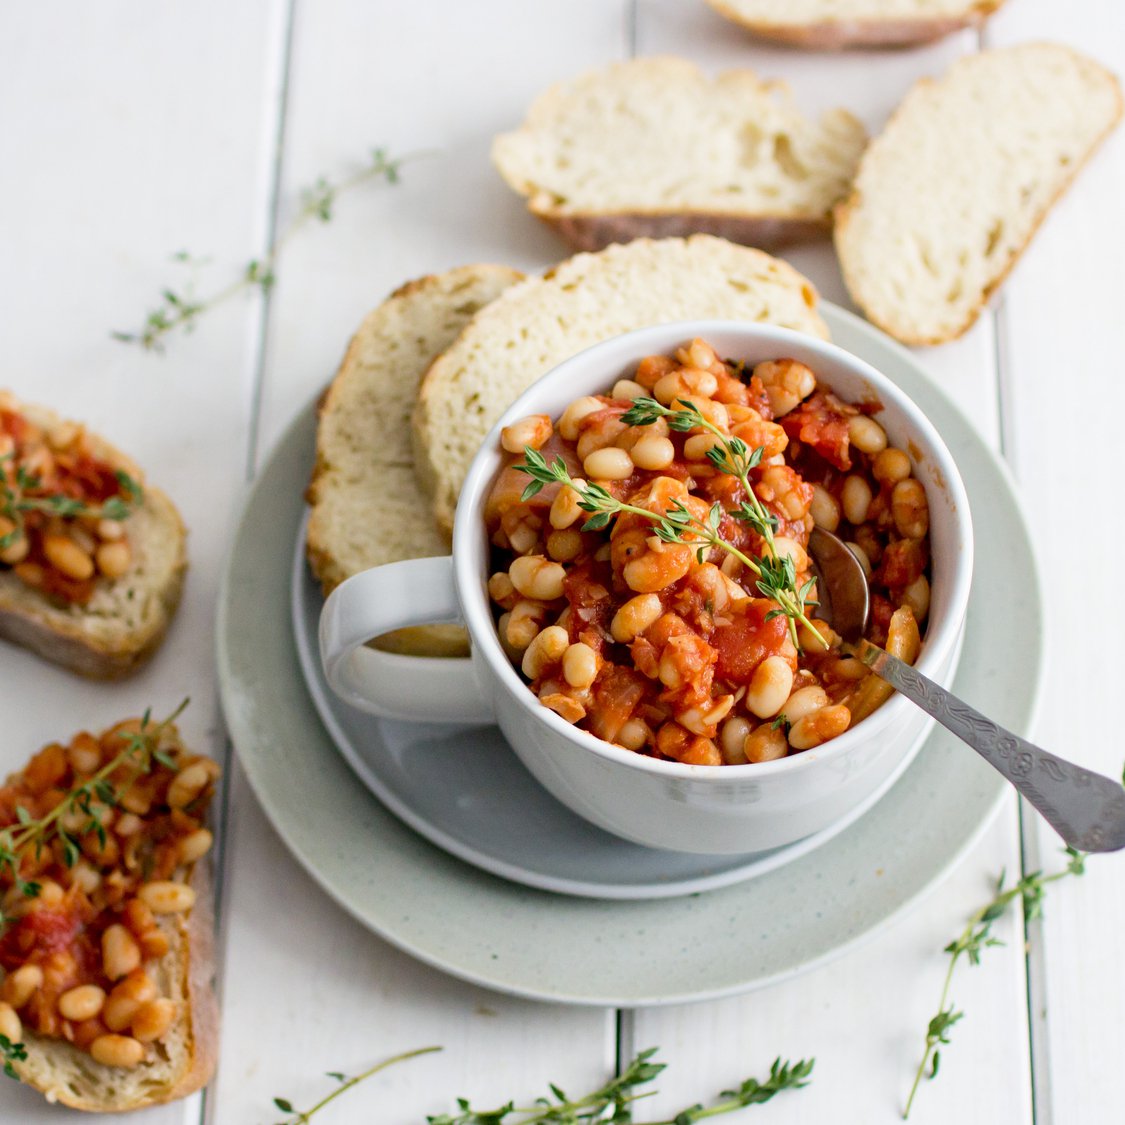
(626, 348)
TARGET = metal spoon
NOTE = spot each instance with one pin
(1086, 809)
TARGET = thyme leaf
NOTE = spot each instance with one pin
(971, 942)
(20, 493)
(776, 575)
(87, 799)
(11, 1053)
(344, 1084)
(180, 310)
(611, 1102)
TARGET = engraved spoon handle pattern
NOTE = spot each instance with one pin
(1086, 809)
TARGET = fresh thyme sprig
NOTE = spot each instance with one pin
(181, 309)
(11, 1053)
(17, 497)
(776, 574)
(973, 939)
(141, 749)
(303, 1116)
(611, 1102)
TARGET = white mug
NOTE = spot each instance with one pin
(703, 809)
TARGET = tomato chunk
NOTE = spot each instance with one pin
(821, 421)
(747, 641)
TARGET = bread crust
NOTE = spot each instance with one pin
(845, 211)
(203, 1004)
(532, 296)
(839, 35)
(26, 618)
(63, 635)
(597, 231)
(778, 191)
(453, 296)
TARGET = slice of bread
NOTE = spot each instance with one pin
(538, 323)
(829, 25)
(366, 508)
(948, 196)
(184, 1059)
(121, 626)
(654, 147)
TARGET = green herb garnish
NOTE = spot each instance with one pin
(141, 749)
(19, 494)
(971, 942)
(776, 574)
(11, 1053)
(611, 1103)
(302, 1117)
(181, 309)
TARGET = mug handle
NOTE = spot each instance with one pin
(419, 688)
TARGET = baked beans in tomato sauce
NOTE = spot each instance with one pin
(55, 485)
(87, 915)
(645, 644)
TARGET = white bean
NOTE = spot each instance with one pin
(628, 389)
(610, 463)
(769, 688)
(575, 412)
(856, 499)
(819, 726)
(824, 508)
(547, 649)
(803, 702)
(732, 740)
(867, 435)
(917, 596)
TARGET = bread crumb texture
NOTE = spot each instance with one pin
(535, 325)
(657, 136)
(947, 197)
(366, 508)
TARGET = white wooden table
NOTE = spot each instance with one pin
(130, 131)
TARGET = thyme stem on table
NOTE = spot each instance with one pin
(973, 939)
(302, 1117)
(611, 1102)
(181, 309)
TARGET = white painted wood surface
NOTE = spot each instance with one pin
(134, 131)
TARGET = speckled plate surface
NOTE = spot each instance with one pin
(582, 950)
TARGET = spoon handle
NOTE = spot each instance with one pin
(1086, 809)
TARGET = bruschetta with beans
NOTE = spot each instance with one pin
(105, 919)
(92, 559)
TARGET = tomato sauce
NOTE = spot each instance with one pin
(673, 648)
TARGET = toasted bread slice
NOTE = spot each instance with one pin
(179, 1056)
(654, 147)
(949, 195)
(366, 508)
(125, 620)
(187, 1054)
(829, 25)
(535, 325)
